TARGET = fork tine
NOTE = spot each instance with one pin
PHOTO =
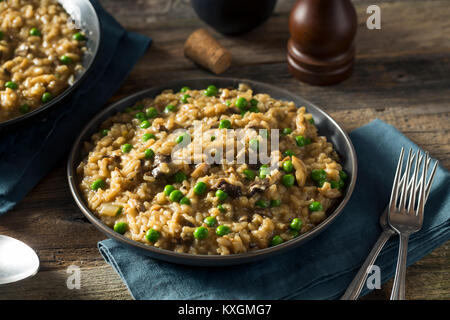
(430, 181)
(404, 194)
(412, 193)
(423, 179)
(394, 193)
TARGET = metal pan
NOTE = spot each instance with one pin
(326, 126)
(84, 16)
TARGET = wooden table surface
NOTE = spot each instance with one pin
(402, 76)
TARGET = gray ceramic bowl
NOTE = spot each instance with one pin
(84, 16)
(326, 125)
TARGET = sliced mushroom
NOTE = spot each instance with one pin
(161, 165)
(232, 190)
(300, 171)
(258, 186)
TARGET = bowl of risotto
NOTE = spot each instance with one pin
(46, 49)
(212, 171)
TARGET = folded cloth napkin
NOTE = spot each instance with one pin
(27, 154)
(319, 269)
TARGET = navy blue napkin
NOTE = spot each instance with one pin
(29, 153)
(323, 267)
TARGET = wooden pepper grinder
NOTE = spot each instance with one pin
(321, 49)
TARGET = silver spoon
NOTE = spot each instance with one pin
(17, 260)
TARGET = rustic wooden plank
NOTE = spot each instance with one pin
(426, 279)
(96, 283)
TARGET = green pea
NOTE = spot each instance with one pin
(318, 175)
(184, 89)
(152, 235)
(320, 183)
(249, 174)
(145, 124)
(296, 224)
(276, 240)
(241, 103)
(200, 188)
(168, 189)
(225, 124)
(288, 180)
(287, 166)
(210, 221)
(148, 136)
(262, 203)
(201, 233)
(311, 120)
(254, 102)
(151, 112)
(119, 211)
(170, 108)
(341, 184)
(253, 144)
(221, 195)
(185, 200)
(128, 109)
(223, 230)
(138, 107)
(287, 131)
(24, 108)
(294, 233)
(343, 175)
(221, 208)
(275, 203)
(211, 91)
(11, 85)
(140, 116)
(302, 141)
(315, 206)
(120, 227)
(35, 32)
(228, 103)
(185, 98)
(180, 176)
(175, 196)
(183, 137)
(253, 109)
(288, 153)
(98, 184)
(104, 132)
(65, 59)
(264, 171)
(334, 184)
(213, 138)
(79, 37)
(126, 147)
(149, 154)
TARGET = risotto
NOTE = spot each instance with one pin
(40, 53)
(179, 172)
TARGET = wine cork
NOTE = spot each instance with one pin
(203, 49)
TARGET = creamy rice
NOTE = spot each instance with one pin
(124, 184)
(39, 55)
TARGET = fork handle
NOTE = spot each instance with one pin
(357, 284)
(398, 289)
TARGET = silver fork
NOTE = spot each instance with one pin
(354, 289)
(406, 209)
